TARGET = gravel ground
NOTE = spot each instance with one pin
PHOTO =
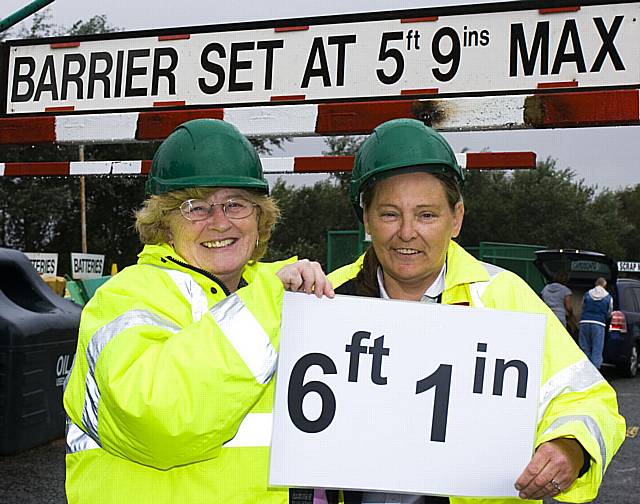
(34, 476)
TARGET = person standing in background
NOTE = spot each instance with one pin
(597, 305)
(557, 296)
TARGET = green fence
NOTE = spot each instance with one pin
(516, 257)
(343, 247)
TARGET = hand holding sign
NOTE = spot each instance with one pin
(553, 469)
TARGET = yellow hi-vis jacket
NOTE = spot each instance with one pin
(170, 396)
(575, 400)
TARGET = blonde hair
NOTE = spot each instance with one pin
(152, 220)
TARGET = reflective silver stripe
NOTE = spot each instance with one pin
(77, 440)
(492, 269)
(255, 430)
(575, 378)
(191, 290)
(247, 336)
(98, 341)
(592, 427)
(476, 289)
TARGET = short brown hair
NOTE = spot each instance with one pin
(152, 220)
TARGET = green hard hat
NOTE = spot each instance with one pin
(397, 146)
(205, 153)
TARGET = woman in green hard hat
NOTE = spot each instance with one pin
(170, 396)
(406, 189)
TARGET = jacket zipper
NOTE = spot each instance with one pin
(210, 276)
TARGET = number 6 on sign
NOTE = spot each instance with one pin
(298, 391)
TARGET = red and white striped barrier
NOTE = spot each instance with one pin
(558, 110)
(271, 165)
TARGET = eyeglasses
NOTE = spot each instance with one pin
(234, 208)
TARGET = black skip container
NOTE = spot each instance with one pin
(38, 336)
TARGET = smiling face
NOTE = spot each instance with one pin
(219, 245)
(411, 224)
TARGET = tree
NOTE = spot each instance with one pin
(111, 204)
(522, 207)
(342, 146)
(34, 211)
(39, 25)
(95, 24)
(545, 206)
(629, 200)
(307, 214)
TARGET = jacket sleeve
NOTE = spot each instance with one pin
(575, 400)
(154, 386)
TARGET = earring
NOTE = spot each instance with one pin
(257, 241)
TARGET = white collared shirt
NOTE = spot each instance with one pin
(429, 296)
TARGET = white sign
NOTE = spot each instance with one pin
(45, 264)
(86, 266)
(393, 396)
(629, 267)
(440, 52)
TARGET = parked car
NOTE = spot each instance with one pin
(622, 336)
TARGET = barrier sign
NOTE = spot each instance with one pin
(393, 396)
(460, 51)
(86, 266)
(45, 264)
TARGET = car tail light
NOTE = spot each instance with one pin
(618, 322)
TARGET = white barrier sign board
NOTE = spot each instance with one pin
(46, 264)
(86, 266)
(404, 397)
(445, 52)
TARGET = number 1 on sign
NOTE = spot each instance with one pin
(441, 380)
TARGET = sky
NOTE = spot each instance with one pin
(603, 157)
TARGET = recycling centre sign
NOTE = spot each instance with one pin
(472, 50)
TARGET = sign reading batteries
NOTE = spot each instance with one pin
(393, 396)
(442, 52)
(46, 264)
(85, 266)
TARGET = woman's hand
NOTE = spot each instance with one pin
(553, 468)
(305, 276)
